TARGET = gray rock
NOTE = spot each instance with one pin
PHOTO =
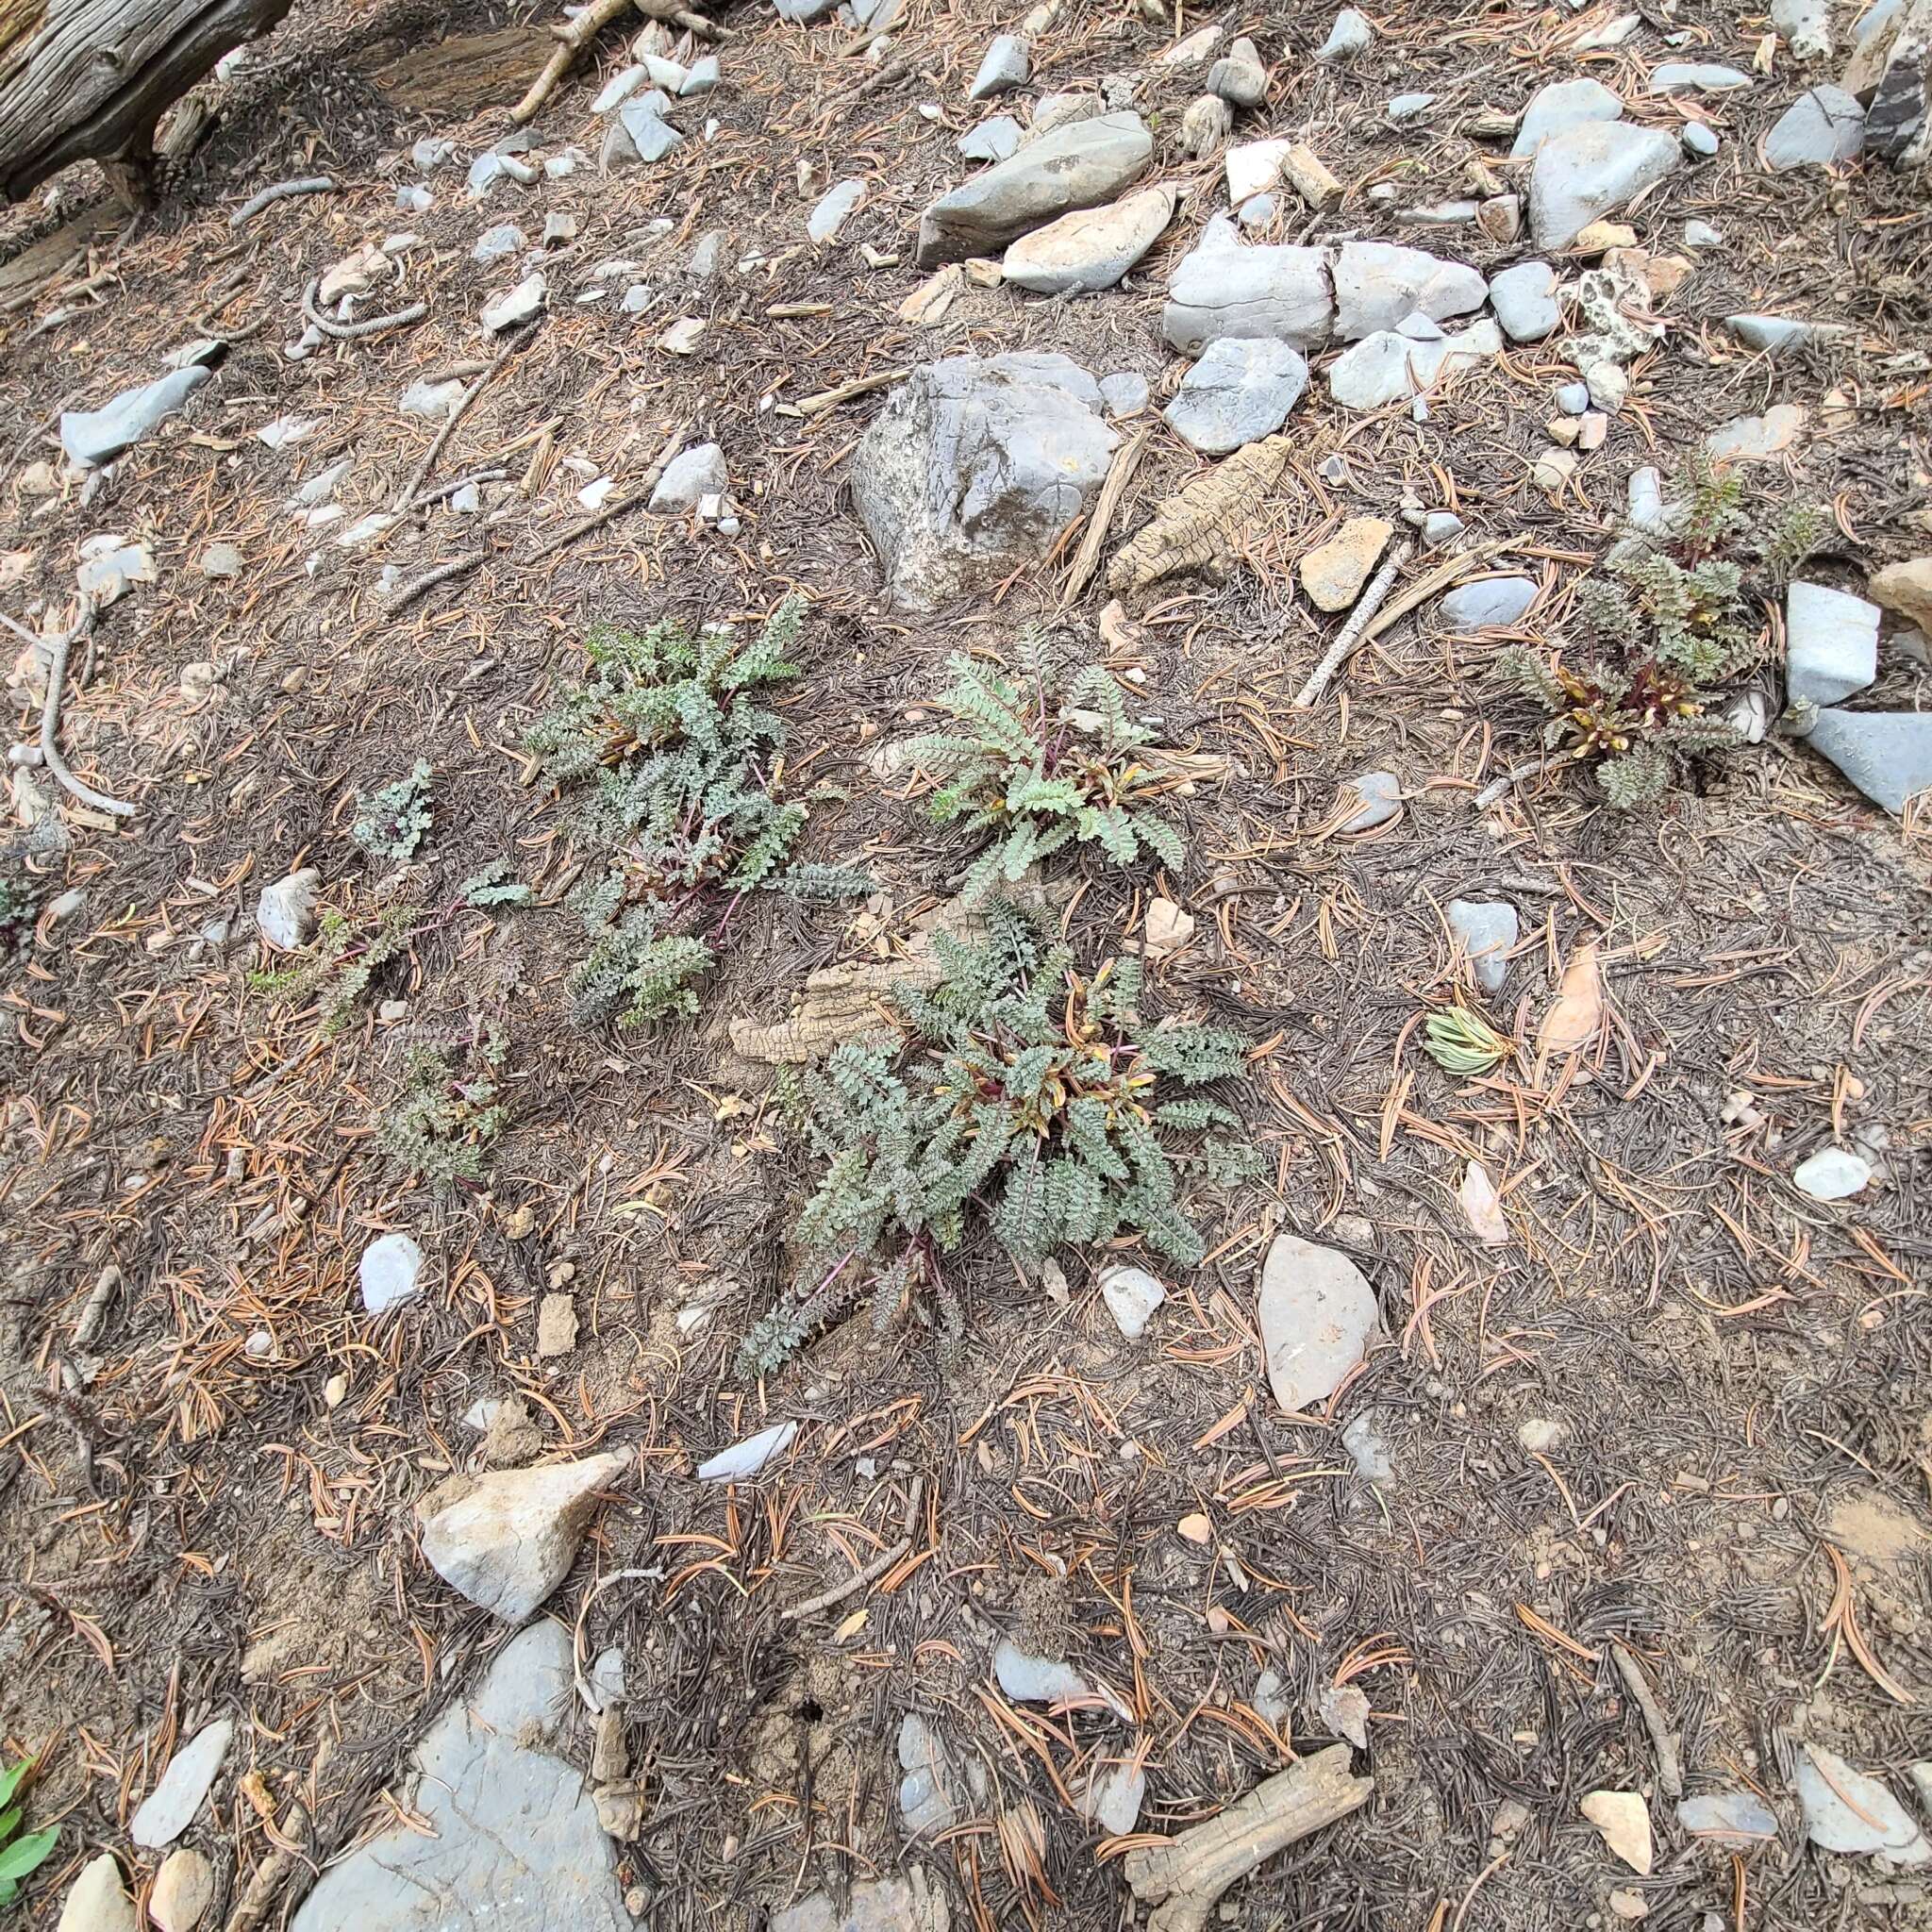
(1073, 166)
(1487, 601)
(1091, 248)
(835, 208)
(1378, 283)
(1207, 124)
(1805, 25)
(1004, 67)
(96, 1901)
(694, 473)
(1367, 1448)
(1583, 174)
(1350, 35)
(1832, 1175)
(745, 1459)
(1440, 527)
(1377, 797)
(641, 132)
(1540, 1434)
(1403, 107)
(803, 12)
(1396, 364)
(1487, 929)
(974, 467)
(1700, 143)
(1823, 125)
(1573, 398)
(487, 170)
(703, 78)
(1846, 1811)
(1238, 392)
(431, 152)
(1831, 642)
(1028, 1679)
(911, 1904)
(1126, 394)
(506, 1539)
(1344, 1709)
(431, 398)
(1317, 1313)
(1773, 333)
(1271, 1699)
(926, 1803)
(1695, 77)
(389, 1273)
(1112, 1798)
(1223, 288)
(991, 140)
(618, 90)
(1728, 1818)
(91, 437)
(1238, 76)
(1131, 1295)
(169, 1809)
(285, 912)
(1921, 1774)
(493, 244)
(512, 1836)
(604, 1683)
(1525, 299)
(1559, 107)
(1701, 234)
(1757, 437)
(518, 305)
(220, 560)
(1257, 211)
(1062, 110)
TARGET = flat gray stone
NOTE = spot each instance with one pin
(974, 467)
(1131, 1295)
(1487, 929)
(991, 140)
(1487, 601)
(1695, 77)
(1846, 1811)
(1350, 35)
(1525, 299)
(641, 132)
(1078, 165)
(1238, 392)
(1028, 1679)
(169, 1809)
(1126, 394)
(1831, 642)
(1757, 437)
(745, 1459)
(1223, 288)
(505, 1540)
(92, 437)
(1377, 797)
(1832, 1175)
(390, 1273)
(912, 1903)
(1112, 1798)
(1559, 107)
(834, 208)
(494, 244)
(513, 1838)
(619, 89)
(691, 474)
(1728, 1818)
(1773, 333)
(1091, 248)
(1412, 106)
(1004, 66)
(926, 1803)
(1380, 283)
(1824, 124)
(1589, 171)
(1887, 755)
(1367, 1448)
(1699, 142)
(1393, 365)
(1440, 527)
(1317, 1313)
(518, 305)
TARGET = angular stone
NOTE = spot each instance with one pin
(1240, 391)
(1350, 35)
(1831, 1175)
(1206, 124)
(1131, 1295)
(1394, 364)
(974, 467)
(1728, 1818)
(92, 437)
(1238, 76)
(1906, 588)
(618, 90)
(1125, 395)
(1028, 1679)
(1112, 1798)
(1488, 930)
(512, 1834)
(1559, 107)
(1377, 284)
(834, 208)
(1805, 25)
(1695, 77)
(1004, 66)
(285, 911)
(692, 474)
(1317, 1313)
(390, 1273)
(96, 1902)
(1756, 438)
(1253, 167)
(1334, 573)
(1412, 106)
(518, 305)
(1071, 167)
(991, 140)
(641, 132)
(494, 244)
(1582, 175)
(184, 1890)
(1367, 1448)
(1525, 299)
(1831, 642)
(1771, 333)
(1224, 288)
(926, 1803)
(169, 1809)
(508, 1538)
(1624, 1819)
(1371, 799)
(745, 1459)
(1486, 602)
(1090, 248)
(1198, 46)
(1846, 1811)
(1823, 125)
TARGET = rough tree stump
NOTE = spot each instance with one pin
(88, 79)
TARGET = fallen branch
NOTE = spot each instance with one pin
(830, 398)
(355, 331)
(1369, 602)
(1496, 788)
(871, 1573)
(55, 649)
(573, 38)
(1120, 475)
(1670, 1768)
(449, 424)
(1185, 1878)
(282, 191)
(617, 507)
(441, 574)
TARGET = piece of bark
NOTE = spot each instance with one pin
(88, 79)
(1184, 1878)
(459, 77)
(1204, 521)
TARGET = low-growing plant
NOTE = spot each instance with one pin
(681, 769)
(392, 821)
(20, 907)
(1017, 769)
(446, 1118)
(20, 1858)
(347, 954)
(1667, 623)
(1030, 1092)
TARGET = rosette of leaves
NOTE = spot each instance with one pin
(678, 768)
(443, 1123)
(1031, 1094)
(343, 961)
(1664, 628)
(392, 822)
(1017, 770)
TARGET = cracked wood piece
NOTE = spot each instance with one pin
(1204, 521)
(1184, 1878)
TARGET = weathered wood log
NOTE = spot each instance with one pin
(88, 79)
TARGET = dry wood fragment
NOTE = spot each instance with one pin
(1351, 633)
(279, 190)
(1184, 1878)
(840, 1003)
(1670, 1768)
(1204, 520)
(1303, 170)
(573, 38)
(1120, 475)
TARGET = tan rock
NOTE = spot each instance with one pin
(1599, 237)
(1554, 469)
(1334, 573)
(1624, 1822)
(95, 1901)
(183, 1890)
(557, 1326)
(928, 303)
(1090, 248)
(1906, 588)
(1167, 929)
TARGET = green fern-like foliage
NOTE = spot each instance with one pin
(676, 766)
(1031, 782)
(344, 962)
(20, 907)
(1030, 1094)
(392, 822)
(442, 1125)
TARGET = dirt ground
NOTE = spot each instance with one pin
(1740, 1377)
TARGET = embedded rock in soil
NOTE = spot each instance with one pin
(1487, 930)
(1774, 333)
(1624, 1819)
(991, 140)
(1831, 642)
(689, 478)
(1831, 1175)
(1224, 288)
(389, 1273)
(1090, 248)
(1238, 76)
(285, 912)
(745, 1459)
(1131, 1295)
(1370, 799)
(519, 305)
(1367, 1448)
(1805, 25)
(834, 209)
(1112, 1798)
(1334, 573)
(1240, 391)
(95, 1901)
(975, 468)
(1906, 588)
(925, 1797)
(1580, 175)
(184, 1890)
(1728, 1818)
(1756, 437)
(1887, 755)
(1525, 299)
(1394, 364)
(507, 1539)
(1559, 107)
(1006, 66)
(1695, 77)
(1487, 601)
(1378, 284)
(1846, 1811)
(1350, 35)
(1028, 1679)
(169, 1809)
(912, 1903)
(1317, 1313)
(511, 1830)
(1823, 125)
(1072, 167)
